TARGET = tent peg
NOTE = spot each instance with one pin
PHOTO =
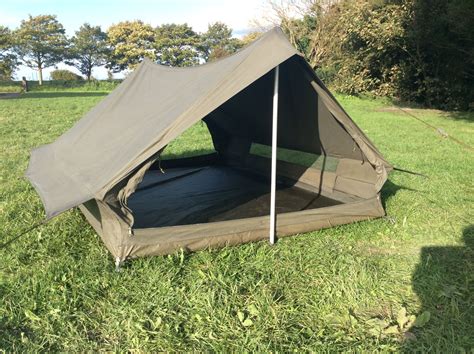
(118, 263)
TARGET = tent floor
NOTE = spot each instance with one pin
(183, 196)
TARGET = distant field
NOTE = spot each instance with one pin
(340, 289)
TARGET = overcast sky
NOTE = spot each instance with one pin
(237, 14)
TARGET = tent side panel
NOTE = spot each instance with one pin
(350, 177)
(166, 240)
(91, 212)
(105, 222)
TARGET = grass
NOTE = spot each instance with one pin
(339, 289)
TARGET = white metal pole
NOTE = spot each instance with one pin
(274, 157)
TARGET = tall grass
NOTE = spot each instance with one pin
(351, 288)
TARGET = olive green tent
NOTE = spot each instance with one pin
(283, 146)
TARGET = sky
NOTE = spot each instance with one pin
(238, 14)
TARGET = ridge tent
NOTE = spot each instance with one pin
(324, 171)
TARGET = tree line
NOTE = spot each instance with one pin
(40, 42)
(419, 51)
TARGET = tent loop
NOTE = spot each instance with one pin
(159, 163)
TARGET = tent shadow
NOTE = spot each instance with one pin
(389, 190)
(61, 94)
(466, 116)
(443, 281)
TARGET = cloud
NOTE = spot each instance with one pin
(236, 14)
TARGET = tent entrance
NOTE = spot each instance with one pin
(213, 192)
(252, 159)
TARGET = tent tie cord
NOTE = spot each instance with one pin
(440, 131)
(18, 236)
(410, 172)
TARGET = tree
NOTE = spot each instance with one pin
(310, 25)
(217, 42)
(129, 42)
(369, 47)
(8, 60)
(88, 49)
(413, 50)
(177, 45)
(41, 42)
(439, 70)
(250, 37)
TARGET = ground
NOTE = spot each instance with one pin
(349, 288)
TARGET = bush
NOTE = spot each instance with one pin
(78, 85)
(64, 75)
(412, 50)
(7, 86)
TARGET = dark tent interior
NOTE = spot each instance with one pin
(234, 182)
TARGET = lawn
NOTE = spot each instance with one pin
(339, 289)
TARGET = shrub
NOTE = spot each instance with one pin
(65, 75)
(413, 50)
(7, 86)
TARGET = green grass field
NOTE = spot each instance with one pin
(340, 289)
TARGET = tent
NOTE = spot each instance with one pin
(288, 159)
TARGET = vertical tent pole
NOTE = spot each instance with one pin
(274, 157)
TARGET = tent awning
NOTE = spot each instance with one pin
(150, 108)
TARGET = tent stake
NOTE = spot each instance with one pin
(118, 263)
(274, 157)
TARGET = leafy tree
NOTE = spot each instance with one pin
(306, 27)
(413, 50)
(217, 42)
(250, 37)
(88, 49)
(369, 48)
(177, 45)
(8, 60)
(315, 32)
(41, 42)
(439, 70)
(129, 42)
